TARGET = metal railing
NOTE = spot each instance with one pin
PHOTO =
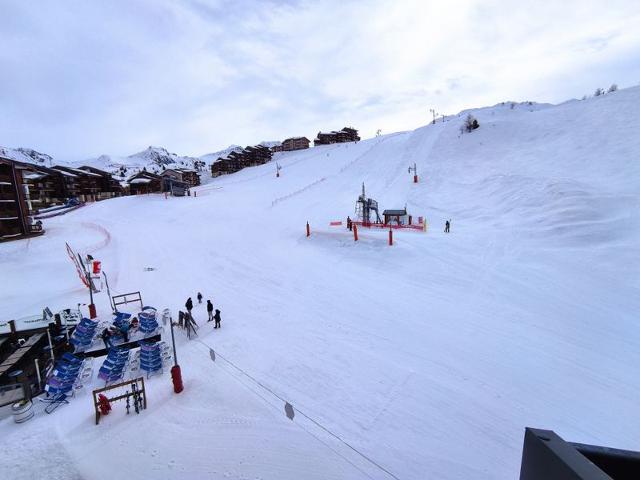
(546, 456)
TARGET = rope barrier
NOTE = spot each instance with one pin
(315, 422)
(298, 424)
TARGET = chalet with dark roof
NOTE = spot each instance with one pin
(185, 175)
(145, 182)
(16, 219)
(109, 186)
(295, 143)
(347, 134)
(234, 162)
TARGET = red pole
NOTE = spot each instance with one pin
(390, 237)
(176, 373)
(176, 378)
(308, 230)
(92, 311)
(415, 179)
(355, 233)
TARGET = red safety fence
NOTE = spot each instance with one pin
(419, 227)
(79, 268)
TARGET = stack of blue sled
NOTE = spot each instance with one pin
(68, 374)
(150, 358)
(114, 366)
(148, 322)
(83, 334)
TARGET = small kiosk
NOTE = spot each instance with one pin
(396, 217)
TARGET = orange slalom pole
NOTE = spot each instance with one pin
(355, 232)
(308, 230)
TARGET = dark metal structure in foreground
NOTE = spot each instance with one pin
(546, 456)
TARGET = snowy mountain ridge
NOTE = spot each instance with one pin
(153, 159)
(27, 155)
(210, 158)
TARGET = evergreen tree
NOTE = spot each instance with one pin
(471, 123)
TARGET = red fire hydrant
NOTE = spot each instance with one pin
(103, 404)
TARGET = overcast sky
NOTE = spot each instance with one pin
(82, 78)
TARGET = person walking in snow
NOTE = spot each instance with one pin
(199, 297)
(210, 310)
(124, 330)
(217, 318)
(349, 225)
(447, 226)
(106, 338)
(189, 305)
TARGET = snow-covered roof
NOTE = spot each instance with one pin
(34, 175)
(64, 172)
(140, 180)
(394, 212)
(85, 172)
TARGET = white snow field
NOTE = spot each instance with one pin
(429, 357)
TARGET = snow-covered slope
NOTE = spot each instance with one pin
(430, 357)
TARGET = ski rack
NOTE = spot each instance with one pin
(137, 392)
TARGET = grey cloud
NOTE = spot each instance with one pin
(83, 78)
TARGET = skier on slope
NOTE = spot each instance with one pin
(217, 318)
(447, 226)
(189, 305)
(199, 297)
(210, 310)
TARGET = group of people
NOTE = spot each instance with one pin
(109, 333)
(213, 317)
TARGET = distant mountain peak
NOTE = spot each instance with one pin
(212, 157)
